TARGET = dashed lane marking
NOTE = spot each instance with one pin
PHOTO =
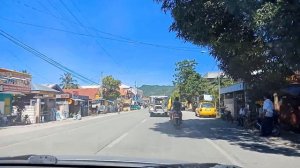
(119, 139)
(217, 147)
(144, 120)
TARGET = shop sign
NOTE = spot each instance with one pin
(232, 88)
(12, 81)
(80, 97)
(44, 96)
(62, 96)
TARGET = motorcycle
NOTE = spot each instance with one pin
(176, 119)
(275, 128)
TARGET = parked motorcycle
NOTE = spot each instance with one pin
(275, 128)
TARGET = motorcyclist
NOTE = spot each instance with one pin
(177, 107)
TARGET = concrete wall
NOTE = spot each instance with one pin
(30, 111)
(229, 103)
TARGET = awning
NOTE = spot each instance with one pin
(14, 93)
(293, 90)
(78, 100)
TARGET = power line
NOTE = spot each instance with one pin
(113, 35)
(83, 26)
(131, 40)
(45, 58)
(29, 68)
(96, 36)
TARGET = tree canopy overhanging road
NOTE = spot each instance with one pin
(256, 41)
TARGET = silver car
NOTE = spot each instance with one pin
(157, 110)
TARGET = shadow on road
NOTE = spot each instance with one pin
(217, 129)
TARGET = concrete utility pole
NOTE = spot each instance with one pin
(101, 85)
(219, 92)
(136, 92)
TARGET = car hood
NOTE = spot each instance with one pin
(101, 161)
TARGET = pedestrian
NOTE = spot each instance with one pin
(268, 111)
(242, 114)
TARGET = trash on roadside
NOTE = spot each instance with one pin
(77, 117)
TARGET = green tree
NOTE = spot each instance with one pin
(189, 84)
(212, 87)
(256, 41)
(67, 81)
(110, 88)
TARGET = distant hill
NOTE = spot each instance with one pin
(150, 90)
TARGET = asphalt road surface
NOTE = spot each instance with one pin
(136, 135)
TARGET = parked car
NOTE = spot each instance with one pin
(135, 107)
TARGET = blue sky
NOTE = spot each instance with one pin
(134, 19)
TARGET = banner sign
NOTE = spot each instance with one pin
(13, 81)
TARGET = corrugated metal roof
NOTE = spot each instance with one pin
(54, 86)
(38, 87)
(90, 86)
(213, 75)
(123, 86)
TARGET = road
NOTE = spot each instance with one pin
(135, 134)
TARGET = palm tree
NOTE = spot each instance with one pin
(67, 81)
(25, 71)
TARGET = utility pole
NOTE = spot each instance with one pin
(136, 92)
(101, 85)
(219, 92)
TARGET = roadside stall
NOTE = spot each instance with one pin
(62, 105)
(98, 105)
(79, 105)
(43, 99)
(233, 96)
(125, 105)
(287, 103)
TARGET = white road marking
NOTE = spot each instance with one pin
(59, 132)
(217, 147)
(120, 138)
(144, 120)
(117, 140)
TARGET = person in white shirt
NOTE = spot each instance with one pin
(242, 114)
(268, 109)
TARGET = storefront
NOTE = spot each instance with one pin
(71, 104)
(5, 103)
(232, 97)
(62, 106)
(12, 84)
(287, 103)
(40, 104)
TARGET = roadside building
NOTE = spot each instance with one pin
(233, 96)
(62, 105)
(42, 104)
(83, 97)
(213, 76)
(287, 102)
(125, 91)
(12, 85)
